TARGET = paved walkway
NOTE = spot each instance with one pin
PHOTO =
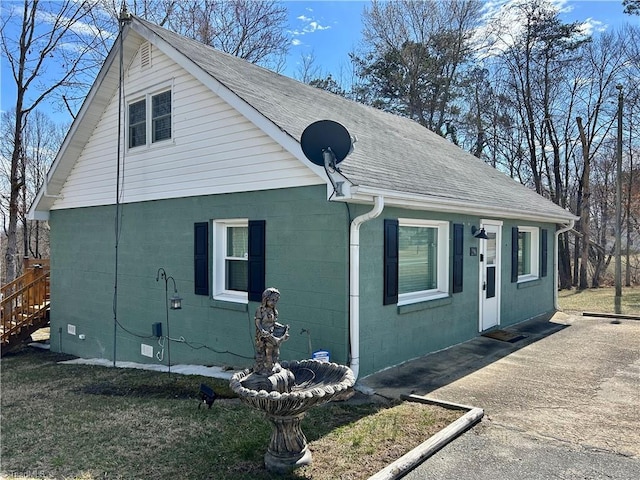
(564, 402)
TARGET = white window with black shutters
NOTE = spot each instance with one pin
(149, 119)
(238, 260)
(231, 257)
(528, 253)
(416, 260)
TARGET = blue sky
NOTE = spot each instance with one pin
(331, 29)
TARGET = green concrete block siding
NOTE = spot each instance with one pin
(391, 335)
(312, 275)
(523, 301)
(307, 259)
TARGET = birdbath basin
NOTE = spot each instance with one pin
(301, 385)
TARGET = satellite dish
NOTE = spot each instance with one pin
(326, 136)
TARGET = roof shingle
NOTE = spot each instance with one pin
(392, 153)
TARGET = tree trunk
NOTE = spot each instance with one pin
(564, 262)
(627, 279)
(583, 283)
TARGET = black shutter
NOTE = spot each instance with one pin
(458, 256)
(201, 258)
(543, 253)
(256, 281)
(390, 262)
(514, 254)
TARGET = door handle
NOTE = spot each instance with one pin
(484, 285)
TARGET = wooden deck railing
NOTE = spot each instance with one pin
(24, 304)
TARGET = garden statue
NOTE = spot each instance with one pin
(269, 334)
(285, 391)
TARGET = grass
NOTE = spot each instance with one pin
(88, 422)
(600, 300)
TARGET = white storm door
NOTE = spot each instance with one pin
(490, 275)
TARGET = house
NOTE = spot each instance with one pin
(377, 260)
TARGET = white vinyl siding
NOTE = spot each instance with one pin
(213, 149)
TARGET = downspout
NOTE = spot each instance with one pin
(566, 228)
(354, 281)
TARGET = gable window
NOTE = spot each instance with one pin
(528, 253)
(423, 260)
(239, 260)
(150, 118)
(161, 116)
(137, 124)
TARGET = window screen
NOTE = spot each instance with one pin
(161, 116)
(236, 265)
(418, 259)
(137, 124)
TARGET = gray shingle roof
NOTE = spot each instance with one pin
(391, 153)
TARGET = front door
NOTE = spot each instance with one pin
(490, 275)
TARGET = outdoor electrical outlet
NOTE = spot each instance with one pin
(146, 350)
(71, 329)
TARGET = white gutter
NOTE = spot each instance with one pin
(354, 282)
(566, 228)
(432, 203)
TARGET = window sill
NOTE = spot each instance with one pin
(230, 302)
(169, 142)
(228, 305)
(426, 304)
(526, 282)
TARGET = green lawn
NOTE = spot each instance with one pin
(600, 300)
(89, 422)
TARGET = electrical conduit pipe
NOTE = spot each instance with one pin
(354, 281)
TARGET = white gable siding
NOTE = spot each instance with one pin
(213, 149)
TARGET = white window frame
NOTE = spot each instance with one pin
(442, 288)
(220, 292)
(148, 98)
(534, 254)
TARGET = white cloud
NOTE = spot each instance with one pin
(502, 22)
(591, 25)
(306, 25)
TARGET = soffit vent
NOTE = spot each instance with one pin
(145, 55)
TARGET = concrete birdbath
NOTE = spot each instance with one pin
(285, 391)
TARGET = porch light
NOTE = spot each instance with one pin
(481, 234)
(176, 302)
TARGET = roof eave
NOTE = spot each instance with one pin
(83, 125)
(364, 194)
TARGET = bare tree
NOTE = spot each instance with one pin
(250, 29)
(41, 139)
(415, 51)
(308, 69)
(156, 11)
(50, 48)
(603, 61)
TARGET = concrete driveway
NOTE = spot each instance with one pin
(562, 403)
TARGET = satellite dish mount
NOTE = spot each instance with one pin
(327, 143)
(330, 162)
